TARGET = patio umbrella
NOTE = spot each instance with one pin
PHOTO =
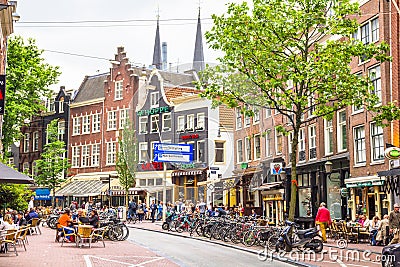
(9, 175)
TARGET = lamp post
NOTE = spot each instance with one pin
(109, 190)
(328, 168)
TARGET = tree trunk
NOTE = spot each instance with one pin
(293, 173)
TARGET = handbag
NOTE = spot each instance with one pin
(141, 211)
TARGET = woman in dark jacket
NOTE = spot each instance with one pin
(94, 218)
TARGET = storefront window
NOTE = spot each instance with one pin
(305, 202)
(333, 198)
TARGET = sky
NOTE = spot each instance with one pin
(62, 26)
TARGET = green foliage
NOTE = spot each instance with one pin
(279, 55)
(52, 165)
(14, 196)
(127, 159)
(28, 79)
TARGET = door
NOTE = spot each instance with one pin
(371, 206)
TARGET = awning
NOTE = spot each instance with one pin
(392, 172)
(9, 175)
(81, 188)
(188, 172)
(364, 181)
(131, 191)
(267, 186)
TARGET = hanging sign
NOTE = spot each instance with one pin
(392, 153)
(276, 168)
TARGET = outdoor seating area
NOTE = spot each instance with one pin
(13, 239)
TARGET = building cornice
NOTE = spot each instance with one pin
(87, 103)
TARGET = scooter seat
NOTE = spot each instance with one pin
(303, 232)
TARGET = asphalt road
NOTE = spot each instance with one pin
(190, 252)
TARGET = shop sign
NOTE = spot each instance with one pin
(151, 166)
(392, 153)
(365, 184)
(190, 136)
(153, 111)
(186, 166)
(344, 192)
(244, 165)
(276, 168)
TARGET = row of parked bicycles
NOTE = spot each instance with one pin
(247, 230)
(116, 230)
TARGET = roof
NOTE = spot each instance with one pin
(198, 57)
(81, 188)
(175, 92)
(157, 49)
(226, 117)
(91, 88)
(173, 79)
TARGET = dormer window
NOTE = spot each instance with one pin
(61, 105)
(154, 99)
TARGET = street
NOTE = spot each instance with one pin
(191, 252)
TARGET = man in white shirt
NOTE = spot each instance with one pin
(30, 204)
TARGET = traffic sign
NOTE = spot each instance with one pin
(173, 152)
(172, 157)
(173, 148)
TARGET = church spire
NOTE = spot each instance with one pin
(157, 62)
(198, 58)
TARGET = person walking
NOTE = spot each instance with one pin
(153, 208)
(394, 223)
(323, 219)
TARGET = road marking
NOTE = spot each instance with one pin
(87, 260)
(341, 263)
(129, 264)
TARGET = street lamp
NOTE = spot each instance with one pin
(328, 168)
(283, 175)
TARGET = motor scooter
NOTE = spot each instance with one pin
(291, 237)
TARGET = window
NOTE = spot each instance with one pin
(25, 167)
(142, 125)
(10, 161)
(76, 151)
(268, 112)
(111, 153)
(268, 143)
(50, 105)
(375, 30)
(342, 133)
(47, 133)
(154, 123)
(154, 100)
(201, 153)
(239, 149)
(238, 119)
(35, 141)
(166, 117)
(26, 142)
(112, 120)
(359, 144)
(61, 105)
(142, 182)
(181, 123)
(302, 146)
(118, 90)
(257, 147)
(95, 123)
(76, 125)
(34, 169)
(246, 118)
(95, 155)
(375, 76)
(123, 118)
(364, 31)
(311, 106)
(200, 121)
(357, 109)
(142, 152)
(151, 156)
(377, 144)
(85, 156)
(219, 152)
(328, 137)
(247, 147)
(290, 142)
(194, 147)
(61, 130)
(86, 124)
(278, 143)
(190, 122)
(256, 115)
(312, 133)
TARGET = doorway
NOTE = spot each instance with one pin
(371, 206)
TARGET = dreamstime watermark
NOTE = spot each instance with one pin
(335, 254)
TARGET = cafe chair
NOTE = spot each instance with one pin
(71, 234)
(84, 233)
(35, 226)
(21, 238)
(98, 234)
(10, 239)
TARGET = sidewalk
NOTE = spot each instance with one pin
(44, 251)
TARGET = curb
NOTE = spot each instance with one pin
(357, 249)
(286, 260)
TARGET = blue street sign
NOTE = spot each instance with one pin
(173, 152)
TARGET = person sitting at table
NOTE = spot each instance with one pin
(361, 220)
(374, 229)
(81, 217)
(64, 221)
(356, 218)
(32, 214)
(94, 218)
(366, 223)
(7, 223)
(20, 219)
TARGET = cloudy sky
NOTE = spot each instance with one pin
(95, 28)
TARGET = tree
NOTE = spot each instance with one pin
(28, 79)
(15, 196)
(53, 164)
(279, 55)
(127, 160)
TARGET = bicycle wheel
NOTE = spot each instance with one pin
(125, 232)
(272, 241)
(115, 233)
(179, 228)
(249, 238)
